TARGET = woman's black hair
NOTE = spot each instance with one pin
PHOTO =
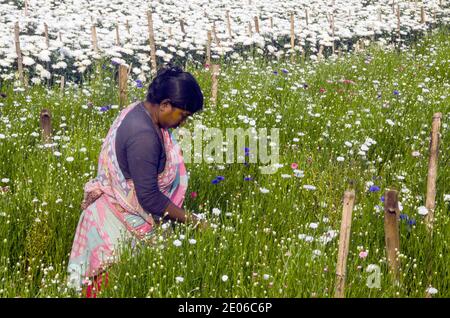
(180, 87)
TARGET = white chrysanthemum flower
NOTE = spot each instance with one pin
(309, 187)
(44, 56)
(57, 154)
(422, 210)
(313, 225)
(224, 278)
(5, 180)
(264, 190)
(340, 159)
(432, 290)
(216, 211)
(192, 241)
(69, 159)
(177, 243)
(28, 61)
(179, 279)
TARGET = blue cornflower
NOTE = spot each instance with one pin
(396, 92)
(305, 86)
(220, 178)
(247, 151)
(374, 188)
(139, 83)
(285, 71)
(105, 108)
(382, 198)
(215, 181)
(411, 222)
(113, 62)
(247, 179)
(404, 217)
(275, 72)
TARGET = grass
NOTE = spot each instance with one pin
(260, 241)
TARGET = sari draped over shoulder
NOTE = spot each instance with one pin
(111, 211)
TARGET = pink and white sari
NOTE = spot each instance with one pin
(111, 211)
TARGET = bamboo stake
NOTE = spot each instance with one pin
(250, 32)
(62, 85)
(60, 36)
(216, 38)
(391, 231)
(430, 203)
(344, 243)
(47, 42)
(182, 26)
(320, 54)
(117, 34)
(271, 22)
(127, 26)
(151, 38)
(307, 17)
(380, 18)
(208, 49)
(398, 22)
(229, 24)
(170, 33)
(94, 38)
(123, 81)
(215, 73)
(46, 125)
(332, 30)
(26, 8)
(256, 24)
(19, 53)
(292, 38)
(422, 15)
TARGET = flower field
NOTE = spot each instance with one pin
(360, 121)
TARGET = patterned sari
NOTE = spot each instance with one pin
(111, 211)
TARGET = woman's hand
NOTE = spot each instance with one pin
(198, 221)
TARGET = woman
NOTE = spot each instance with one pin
(141, 179)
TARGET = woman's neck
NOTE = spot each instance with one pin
(153, 111)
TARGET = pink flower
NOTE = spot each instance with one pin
(294, 165)
(193, 195)
(363, 254)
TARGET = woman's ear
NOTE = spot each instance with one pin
(165, 105)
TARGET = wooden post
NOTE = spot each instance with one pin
(117, 34)
(216, 38)
(170, 33)
(344, 243)
(151, 38)
(46, 125)
(380, 18)
(430, 203)
(182, 26)
(127, 26)
(215, 73)
(19, 53)
(62, 85)
(398, 22)
(60, 36)
(250, 32)
(229, 24)
(94, 39)
(422, 15)
(271, 23)
(292, 38)
(208, 49)
(391, 231)
(332, 30)
(123, 85)
(256, 24)
(320, 54)
(47, 42)
(306, 16)
(26, 8)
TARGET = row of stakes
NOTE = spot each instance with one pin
(151, 37)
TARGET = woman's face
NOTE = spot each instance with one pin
(172, 117)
